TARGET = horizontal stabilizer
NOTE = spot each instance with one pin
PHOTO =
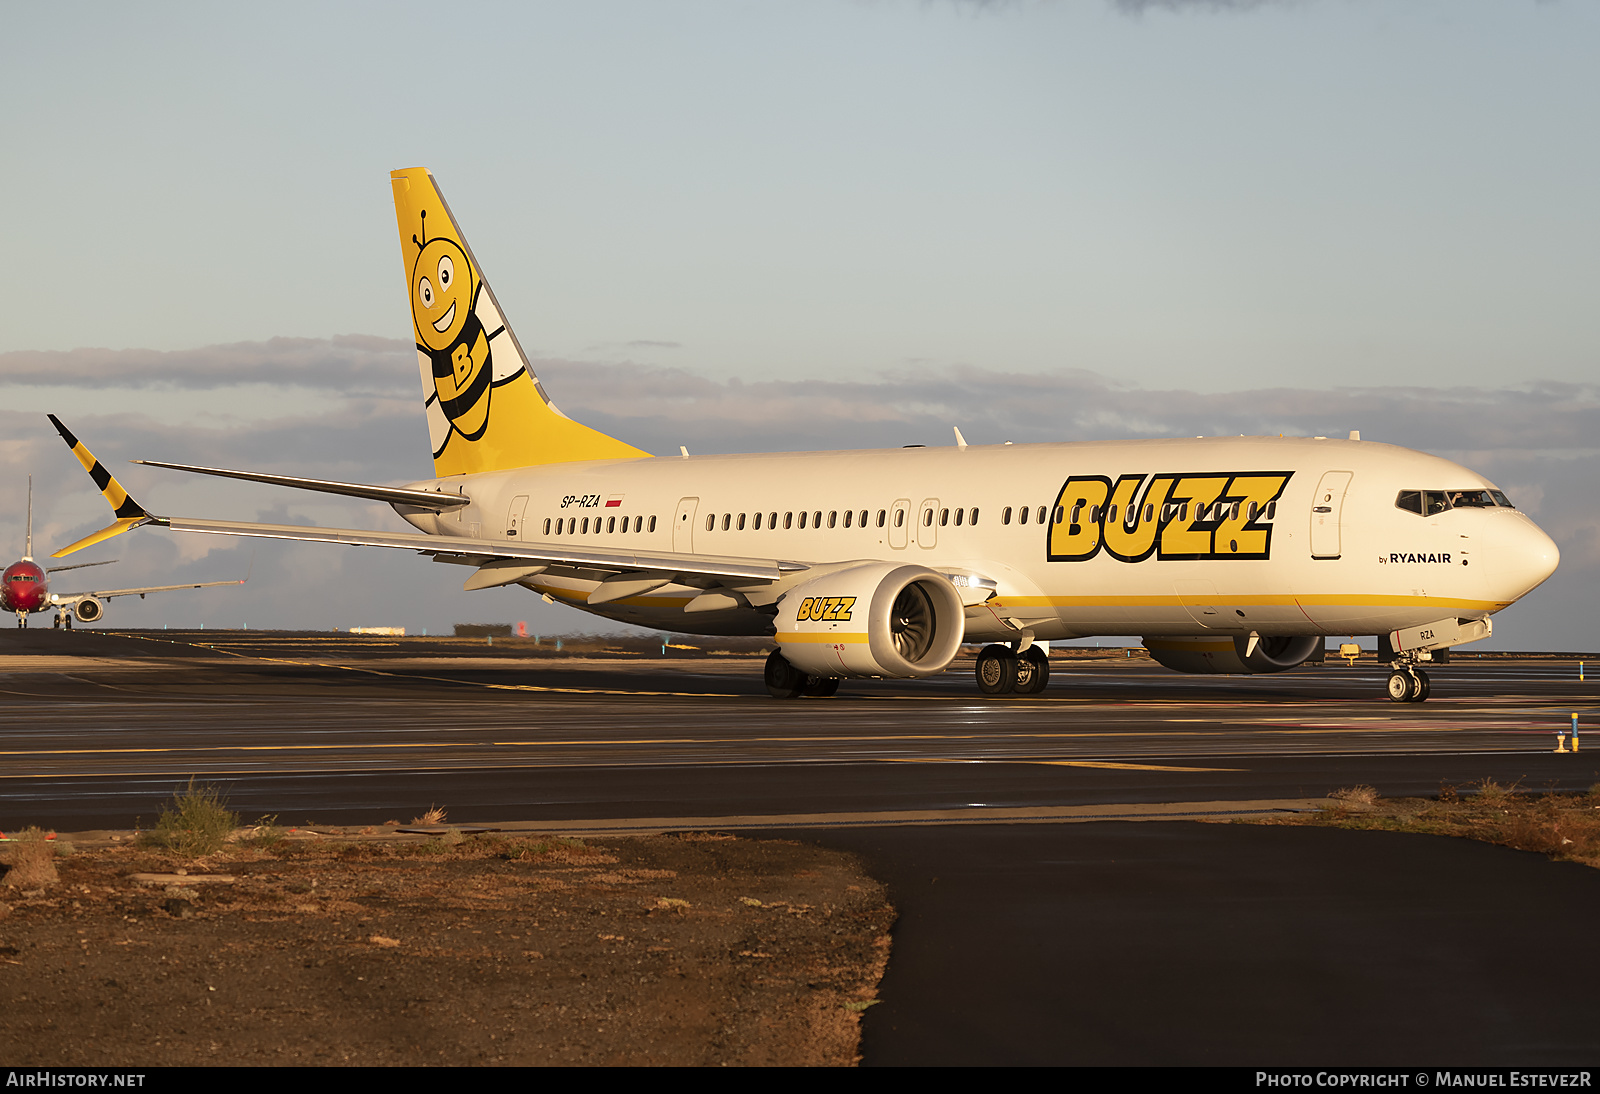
(394, 495)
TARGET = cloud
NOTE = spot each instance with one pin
(661, 408)
(344, 363)
(1139, 7)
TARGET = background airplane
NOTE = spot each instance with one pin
(25, 587)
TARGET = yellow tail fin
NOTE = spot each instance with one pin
(486, 409)
(130, 514)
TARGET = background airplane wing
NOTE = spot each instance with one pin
(106, 594)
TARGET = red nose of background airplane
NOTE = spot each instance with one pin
(23, 595)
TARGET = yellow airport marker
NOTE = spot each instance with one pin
(1350, 651)
(1574, 731)
(1561, 738)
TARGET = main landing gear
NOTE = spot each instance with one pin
(784, 681)
(1408, 684)
(1000, 671)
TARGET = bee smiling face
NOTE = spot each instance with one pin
(441, 293)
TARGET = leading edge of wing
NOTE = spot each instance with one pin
(554, 554)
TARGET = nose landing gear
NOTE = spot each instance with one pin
(1408, 684)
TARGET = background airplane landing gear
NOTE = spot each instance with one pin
(997, 670)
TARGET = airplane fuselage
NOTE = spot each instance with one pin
(1221, 536)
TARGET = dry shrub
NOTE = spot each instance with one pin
(197, 822)
(1356, 795)
(1491, 791)
(32, 861)
(434, 815)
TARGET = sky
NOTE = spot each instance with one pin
(749, 226)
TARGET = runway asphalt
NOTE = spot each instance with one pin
(1043, 941)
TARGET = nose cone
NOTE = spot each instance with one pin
(1521, 557)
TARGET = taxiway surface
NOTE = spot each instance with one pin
(927, 780)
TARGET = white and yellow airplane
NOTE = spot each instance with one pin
(1231, 554)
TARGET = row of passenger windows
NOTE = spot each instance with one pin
(863, 518)
(580, 526)
(847, 518)
(1426, 503)
(1218, 510)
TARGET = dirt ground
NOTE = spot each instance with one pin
(338, 948)
(1564, 826)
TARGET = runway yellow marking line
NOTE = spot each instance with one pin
(917, 738)
(1082, 702)
(1108, 764)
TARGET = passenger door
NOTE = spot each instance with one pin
(519, 508)
(683, 525)
(1327, 510)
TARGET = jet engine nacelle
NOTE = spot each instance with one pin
(88, 610)
(1221, 653)
(875, 619)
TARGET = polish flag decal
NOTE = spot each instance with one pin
(613, 501)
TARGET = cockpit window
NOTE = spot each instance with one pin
(1428, 503)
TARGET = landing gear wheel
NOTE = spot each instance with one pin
(821, 687)
(56, 626)
(1421, 687)
(1033, 671)
(1400, 685)
(784, 681)
(997, 670)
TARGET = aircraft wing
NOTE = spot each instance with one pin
(106, 594)
(491, 550)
